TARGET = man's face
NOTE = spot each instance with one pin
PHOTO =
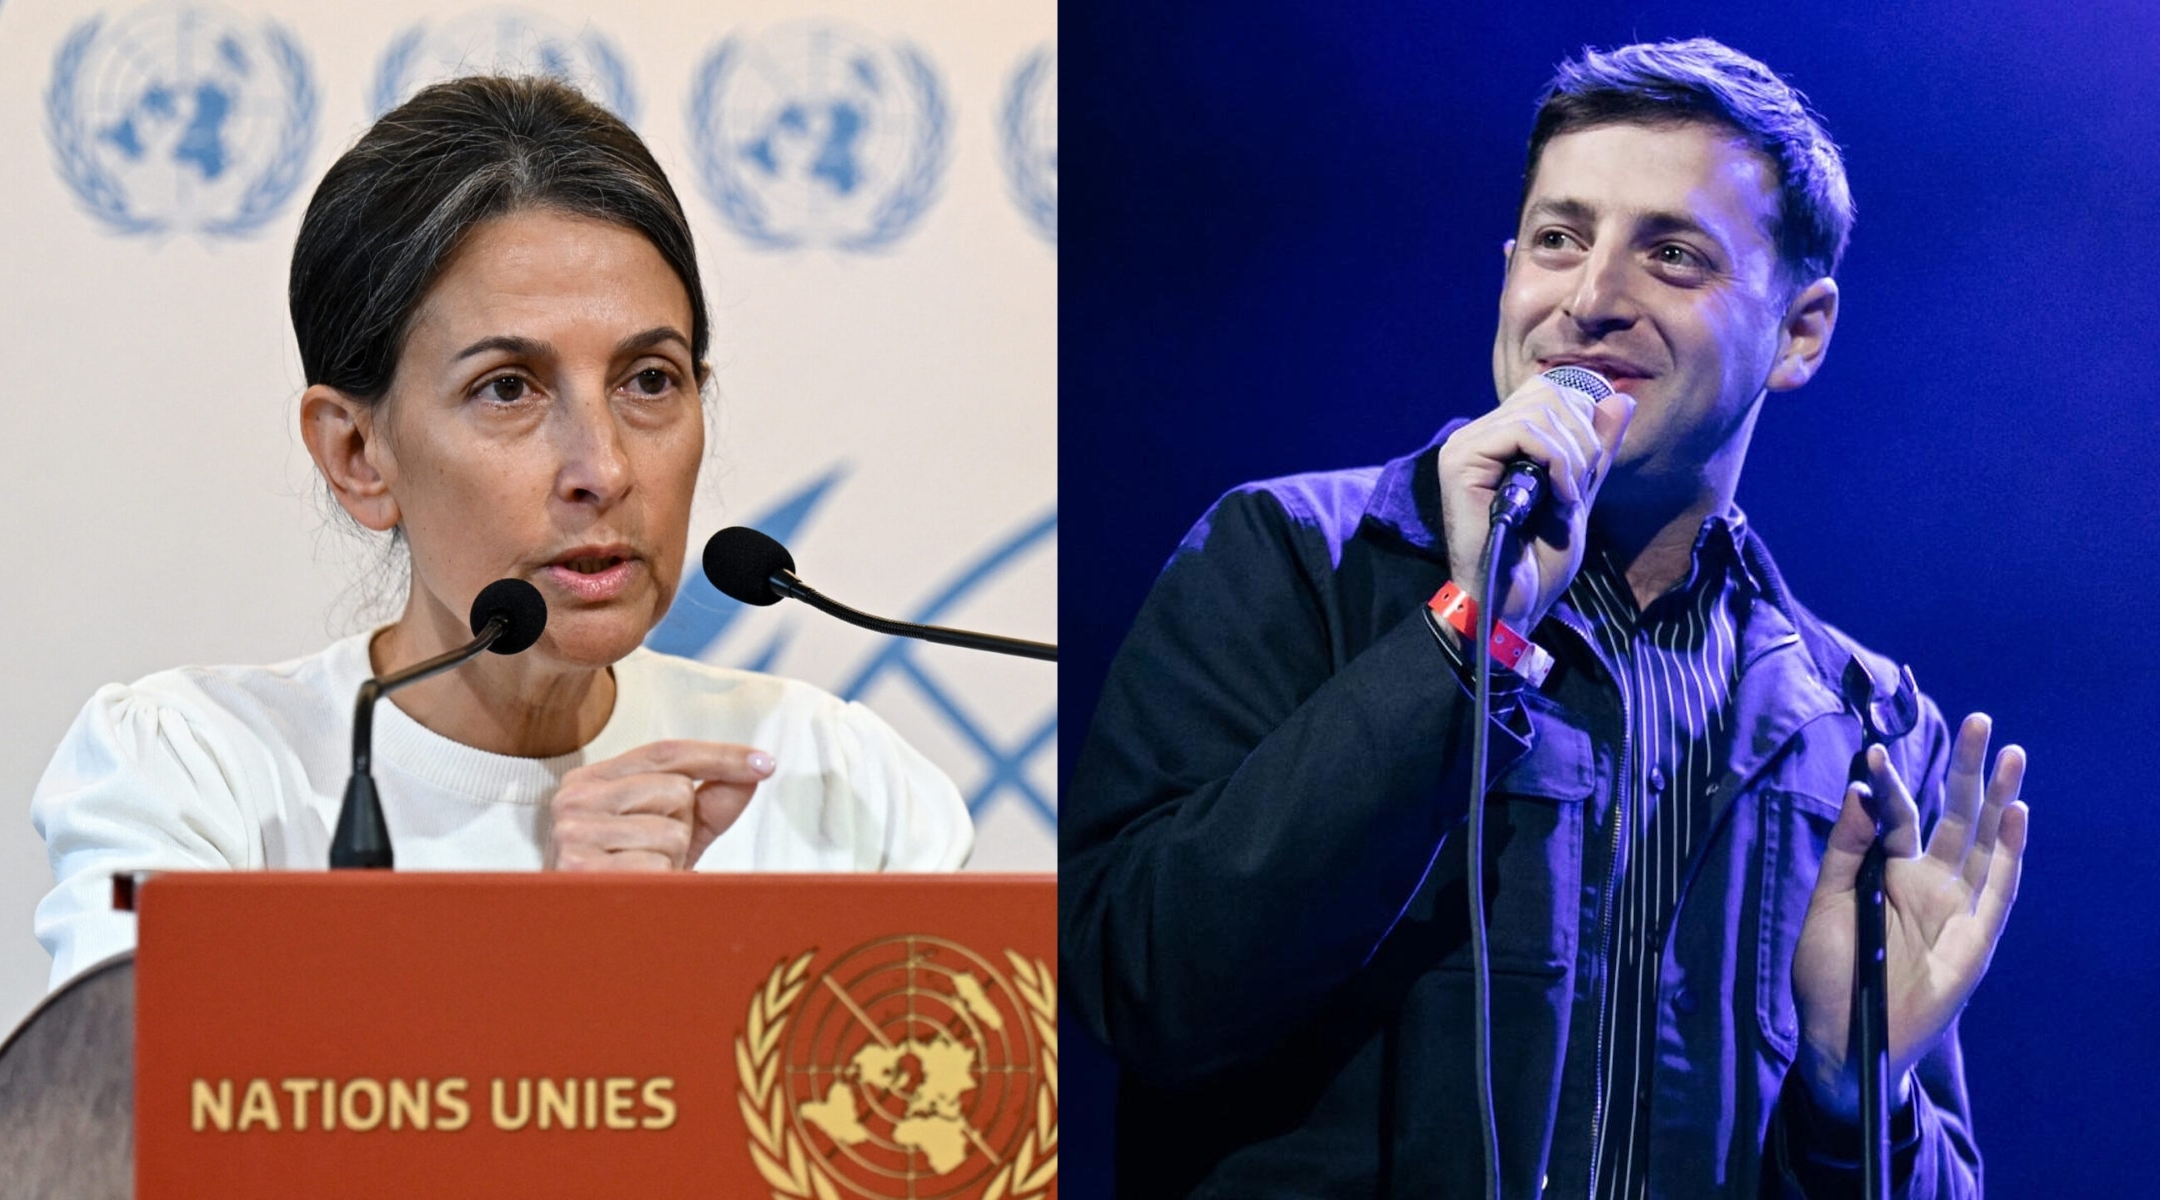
(1645, 254)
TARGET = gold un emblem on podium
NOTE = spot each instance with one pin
(911, 1068)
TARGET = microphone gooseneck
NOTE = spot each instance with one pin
(749, 566)
(1522, 486)
(508, 616)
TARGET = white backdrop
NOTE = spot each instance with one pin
(873, 187)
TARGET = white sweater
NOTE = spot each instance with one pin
(245, 768)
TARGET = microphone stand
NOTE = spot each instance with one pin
(362, 839)
(784, 582)
(1871, 1021)
(1881, 722)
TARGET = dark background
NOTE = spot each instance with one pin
(1282, 254)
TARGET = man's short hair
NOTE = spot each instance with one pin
(1701, 80)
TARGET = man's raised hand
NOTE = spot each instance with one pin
(1944, 910)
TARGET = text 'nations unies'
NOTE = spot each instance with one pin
(363, 1105)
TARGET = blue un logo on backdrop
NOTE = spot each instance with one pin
(503, 41)
(181, 118)
(817, 135)
(1027, 139)
(1015, 761)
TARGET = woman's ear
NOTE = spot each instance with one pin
(345, 441)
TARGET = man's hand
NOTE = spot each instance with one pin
(1574, 439)
(1943, 911)
(655, 808)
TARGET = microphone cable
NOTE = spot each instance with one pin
(1480, 950)
(1521, 488)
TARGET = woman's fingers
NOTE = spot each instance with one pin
(718, 804)
(654, 792)
(703, 761)
(620, 841)
(718, 807)
(654, 808)
(576, 859)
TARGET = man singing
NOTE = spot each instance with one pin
(1263, 901)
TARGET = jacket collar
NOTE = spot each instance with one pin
(1405, 502)
(1873, 688)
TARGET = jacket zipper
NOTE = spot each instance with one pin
(1605, 907)
(1623, 801)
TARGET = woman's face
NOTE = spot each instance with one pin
(544, 423)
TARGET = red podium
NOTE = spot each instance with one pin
(418, 1034)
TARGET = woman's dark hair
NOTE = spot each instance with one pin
(392, 209)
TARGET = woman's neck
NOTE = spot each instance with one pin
(523, 705)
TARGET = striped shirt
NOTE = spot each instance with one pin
(1675, 663)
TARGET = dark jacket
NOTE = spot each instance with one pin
(1262, 908)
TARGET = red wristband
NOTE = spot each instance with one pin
(1455, 607)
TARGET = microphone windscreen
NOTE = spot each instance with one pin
(741, 562)
(1582, 379)
(520, 605)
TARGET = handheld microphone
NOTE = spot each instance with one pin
(1522, 486)
(508, 616)
(747, 565)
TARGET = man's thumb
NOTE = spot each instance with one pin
(1848, 844)
(1611, 420)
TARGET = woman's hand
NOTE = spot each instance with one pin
(655, 808)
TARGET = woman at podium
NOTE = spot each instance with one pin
(504, 338)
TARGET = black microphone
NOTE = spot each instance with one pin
(1522, 485)
(749, 566)
(508, 616)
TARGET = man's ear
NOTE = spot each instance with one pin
(1804, 337)
(345, 440)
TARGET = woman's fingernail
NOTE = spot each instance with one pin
(761, 762)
